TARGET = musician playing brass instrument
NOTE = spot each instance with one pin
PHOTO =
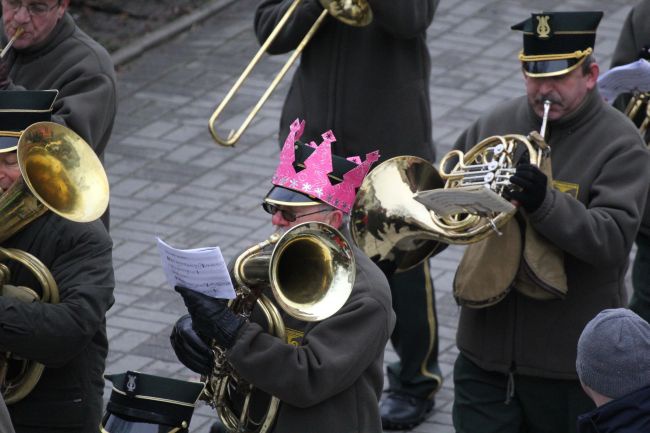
(562, 258)
(327, 374)
(67, 334)
(633, 44)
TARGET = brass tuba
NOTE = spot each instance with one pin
(316, 292)
(351, 12)
(390, 222)
(61, 173)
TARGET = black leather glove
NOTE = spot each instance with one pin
(190, 348)
(211, 317)
(533, 187)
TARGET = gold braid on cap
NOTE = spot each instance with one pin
(546, 57)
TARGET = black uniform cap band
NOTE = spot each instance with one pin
(21, 108)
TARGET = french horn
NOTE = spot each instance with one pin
(59, 173)
(391, 222)
(317, 292)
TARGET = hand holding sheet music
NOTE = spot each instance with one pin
(200, 269)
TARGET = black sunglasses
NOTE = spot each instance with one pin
(287, 214)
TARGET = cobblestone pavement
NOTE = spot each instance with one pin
(169, 179)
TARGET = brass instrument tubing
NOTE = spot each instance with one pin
(19, 31)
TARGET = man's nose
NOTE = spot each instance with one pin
(546, 86)
(22, 15)
(278, 220)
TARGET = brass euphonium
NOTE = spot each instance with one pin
(389, 221)
(318, 290)
(60, 173)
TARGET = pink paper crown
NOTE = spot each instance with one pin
(313, 180)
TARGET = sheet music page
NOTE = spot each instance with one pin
(477, 200)
(625, 79)
(201, 269)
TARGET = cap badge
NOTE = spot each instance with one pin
(543, 27)
(130, 384)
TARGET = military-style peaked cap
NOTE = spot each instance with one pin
(140, 400)
(556, 43)
(287, 197)
(19, 109)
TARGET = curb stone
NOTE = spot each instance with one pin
(169, 30)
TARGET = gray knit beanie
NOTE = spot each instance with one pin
(614, 353)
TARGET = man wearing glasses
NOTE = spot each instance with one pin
(53, 53)
(328, 374)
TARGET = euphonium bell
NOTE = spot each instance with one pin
(60, 173)
(323, 285)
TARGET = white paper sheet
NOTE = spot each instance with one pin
(625, 79)
(200, 269)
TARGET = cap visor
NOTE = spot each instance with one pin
(283, 196)
(550, 68)
(116, 424)
(8, 144)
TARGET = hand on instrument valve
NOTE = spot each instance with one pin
(190, 348)
(211, 317)
(532, 183)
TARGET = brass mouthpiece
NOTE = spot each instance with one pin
(547, 108)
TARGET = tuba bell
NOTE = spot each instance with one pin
(317, 292)
(59, 173)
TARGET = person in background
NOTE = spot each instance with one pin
(370, 84)
(613, 364)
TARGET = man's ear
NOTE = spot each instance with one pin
(592, 75)
(64, 7)
(335, 218)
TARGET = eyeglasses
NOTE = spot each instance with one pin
(33, 9)
(287, 214)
